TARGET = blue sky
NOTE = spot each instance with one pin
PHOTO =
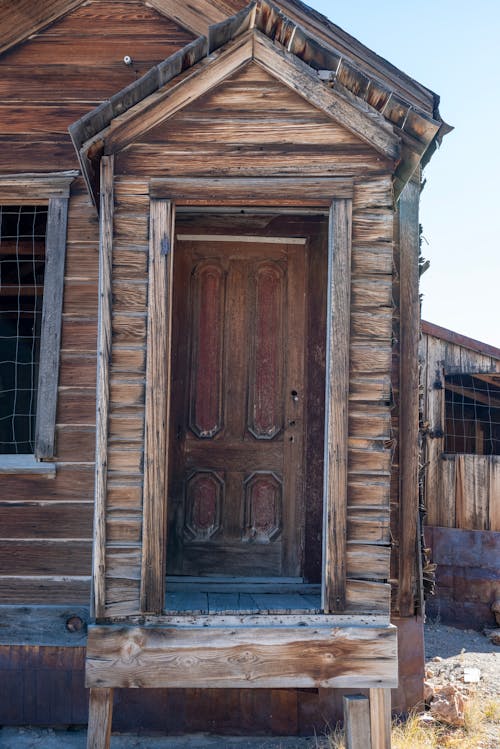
(452, 48)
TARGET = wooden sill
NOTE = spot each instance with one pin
(26, 464)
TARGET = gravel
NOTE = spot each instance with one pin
(448, 651)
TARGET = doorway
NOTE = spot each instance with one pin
(246, 417)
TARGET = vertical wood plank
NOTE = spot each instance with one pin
(50, 336)
(445, 499)
(357, 722)
(409, 389)
(100, 718)
(494, 484)
(380, 718)
(472, 492)
(98, 597)
(162, 219)
(336, 407)
(434, 410)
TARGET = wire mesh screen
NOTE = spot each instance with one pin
(472, 405)
(22, 266)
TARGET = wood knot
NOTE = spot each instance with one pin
(75, 624)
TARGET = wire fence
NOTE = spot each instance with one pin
(472, 414)
(22, 267)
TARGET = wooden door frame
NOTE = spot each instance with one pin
(332, 194)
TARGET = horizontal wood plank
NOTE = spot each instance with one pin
(238, 657)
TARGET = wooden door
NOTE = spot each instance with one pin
(235, 490)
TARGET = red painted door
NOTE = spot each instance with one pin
(236, 455)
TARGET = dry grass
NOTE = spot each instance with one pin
(481, 730)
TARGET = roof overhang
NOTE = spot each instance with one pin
(357, 100)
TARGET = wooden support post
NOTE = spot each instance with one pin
(380, 718)
(50, 338)
(154, 541)
(409, 396)
(100, 718)
(336, 408)
(98, 598)
(357, 722)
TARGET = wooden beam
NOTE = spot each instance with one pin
(240, 657)
(44, 626)
(409, 395)
(100, 718)
(357, 722)
(336, 408)
(353, 114)
(50, 337)
(162, 218)
(380, 718)
(317, 191)
(98, 602)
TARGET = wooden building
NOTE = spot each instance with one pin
(461, 408)
(229, 231)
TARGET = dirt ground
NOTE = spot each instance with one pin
(448, 652)
(459, 649)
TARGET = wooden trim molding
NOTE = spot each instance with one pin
(154, 535)
(98, 596)
(50, 335)
(336, 408)
(242, 656)
(235, 191)
(35, 189)
(409, 385)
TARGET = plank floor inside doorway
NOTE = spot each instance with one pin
(241, 596)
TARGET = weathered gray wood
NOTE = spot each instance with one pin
(35, 188)
(380, 718)
(215, 584)
(100, 718)
(23, 464)
(239, 656)
(336, 408)
(196, 602)
(60, 626)
(222, 32)
(102, 405)
(409, 394)
(247, 618)
(50, 336)
(157, 405)
(357, 722)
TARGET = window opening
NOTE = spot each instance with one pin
(472, 409)
(22, 268)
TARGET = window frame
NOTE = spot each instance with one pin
(53, 190)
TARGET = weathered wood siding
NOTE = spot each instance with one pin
(45, 84)
(461, 491)
(253, 126)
